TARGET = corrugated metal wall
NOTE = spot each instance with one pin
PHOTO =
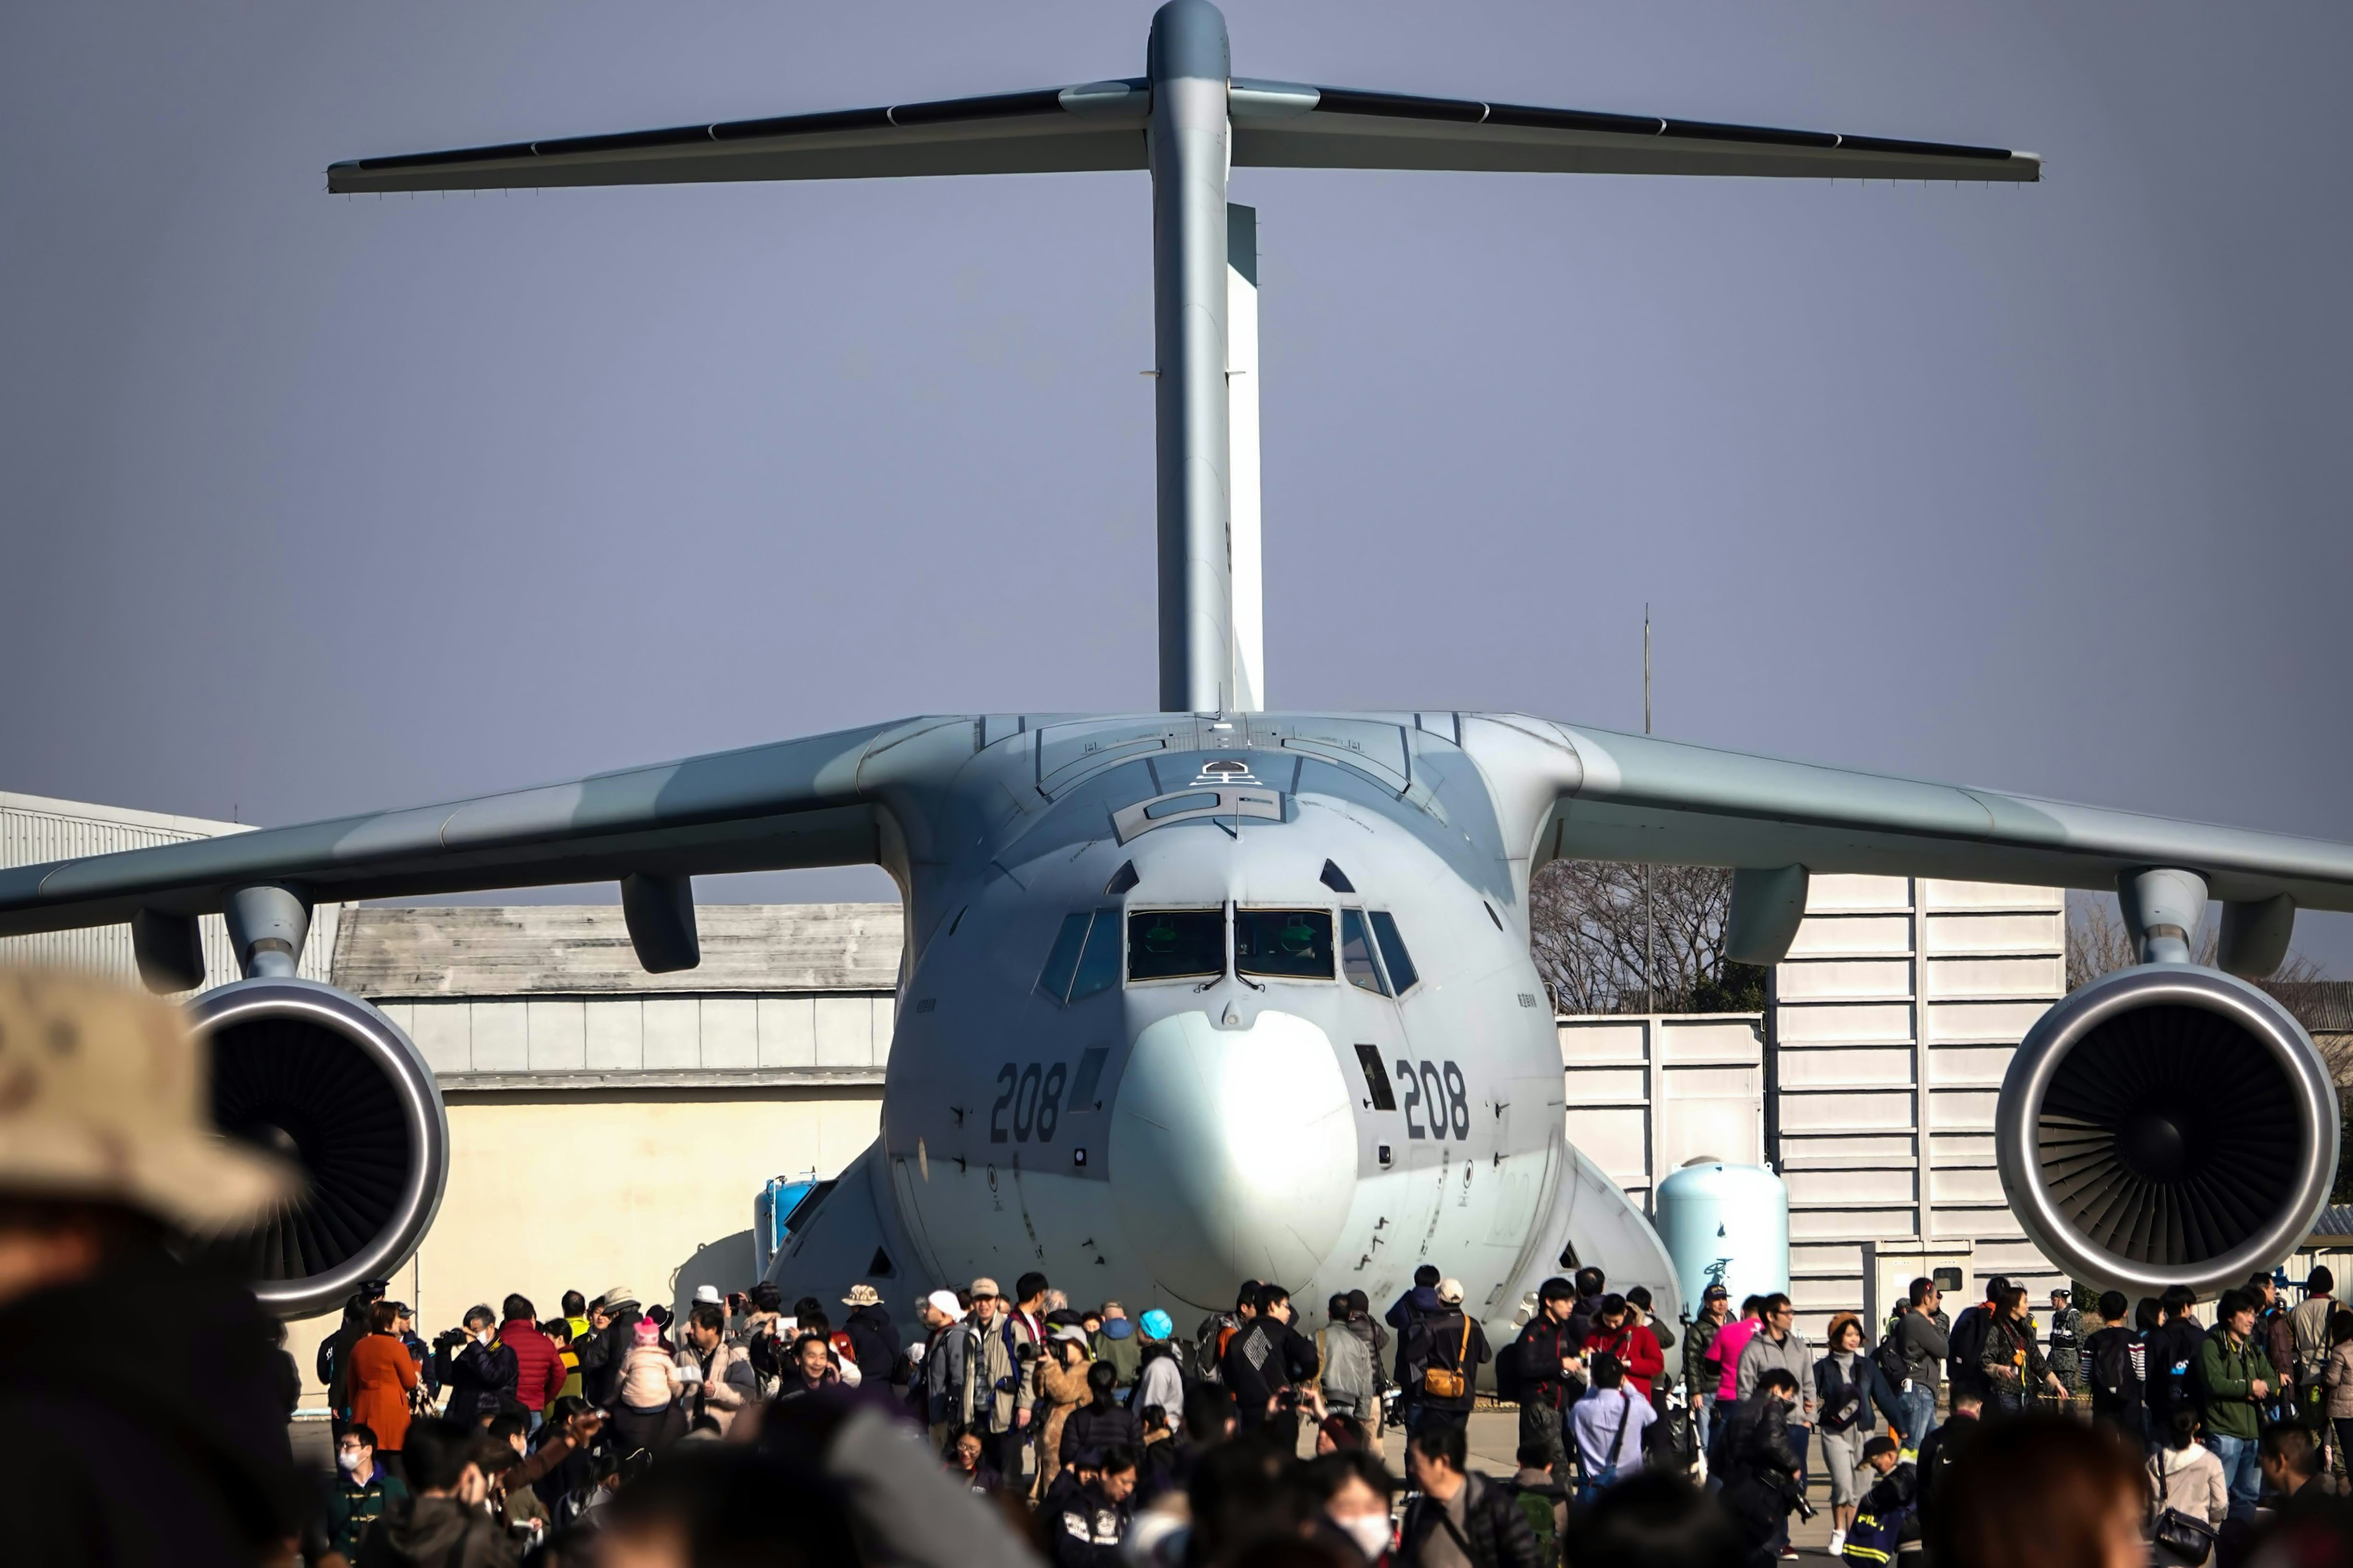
(35, 831)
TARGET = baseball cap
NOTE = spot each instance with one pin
(944, 1301)
(1451, 1293)
(1883, 1444)
(984, 1286)
(1716, 1293)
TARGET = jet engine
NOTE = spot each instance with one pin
(2167, 1125)
(323, 1079)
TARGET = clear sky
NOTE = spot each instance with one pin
(316, 504)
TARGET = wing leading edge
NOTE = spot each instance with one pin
(796, 803)
(1635, 798)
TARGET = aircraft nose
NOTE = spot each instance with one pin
(1233, 1152)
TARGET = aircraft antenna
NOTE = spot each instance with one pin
(1650, 925)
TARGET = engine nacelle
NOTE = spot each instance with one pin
(2167, 1125)
(322, 1079)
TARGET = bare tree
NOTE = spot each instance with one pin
(2098, 943)
(1600, 952)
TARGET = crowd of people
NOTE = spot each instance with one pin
(149, 1399)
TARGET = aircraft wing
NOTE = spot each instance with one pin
(796, 804)
(1102, 125)
(1600, 795)
(1293, 125)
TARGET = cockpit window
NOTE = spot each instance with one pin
(1176, 944)
(1098, 962)
(1357, 952)
(1291, 944)
(1393, 954)
(1054, 980)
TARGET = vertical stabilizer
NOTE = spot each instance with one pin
(1249, 691)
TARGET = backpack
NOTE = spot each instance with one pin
(1969, 1338)
(1889, 1356)
(1508, 1387)
(1210, 1346)
(1535, 1505)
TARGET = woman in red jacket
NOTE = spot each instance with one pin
(1636, 1348)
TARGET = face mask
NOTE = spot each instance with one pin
(347, 1459)
(1370, 1531)
(483, 1338)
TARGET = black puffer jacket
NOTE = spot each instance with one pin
(479, 1378)
(874, 1344)
(602, 1352)
(1100, 1427)
(1495, 1533)
(172, 1451)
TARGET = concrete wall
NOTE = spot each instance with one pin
(582, 1190)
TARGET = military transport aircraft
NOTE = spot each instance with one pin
(1208, 991)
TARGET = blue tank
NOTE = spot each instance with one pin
(1725, 1225)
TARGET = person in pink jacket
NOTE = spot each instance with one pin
(1730, 1341)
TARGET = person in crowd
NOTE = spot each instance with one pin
(1350, 1490)
(1361, 1323)
(1449, 1348)
(1966, 1342)
(1656, 1519)
(1262, 1362)
(1116, 1341)
(723, 1381)
(138, 1384)
(2170, 1354)
(2052, 1493)
(1537, 1492)
(2064, 1343)
(1943, 1448)
(2275, 1336)
(382, 1378)
(650, 1407)
(333, 1362)
(1922, 1338)
(1336, 1432)
(1542, 1361)
(2336, 1383)
(1777, 1343)
(1008, 1353)
(1216, 1329)
(442, 1522)
(1102, 1422)
(1459, 1517)
(968, 1461)
(1160, 1376)
(1639, 1302)
(1609, 1422)
(1847, 1385)
(2236, 1382)
(1619, 1333)
(949, 1370)
(1346, 1371)
(1420, 1301)
(1723, 1357)
(539, 1363)
(612, 1324)
(809, 1366)
(2290, 1461)
(575, 1313)
(1093, 1518)
(2012, 1364)
(1700, 1376)
(563, 1464)
(479, 1372)
(2308, 1325)
(1763, 1464)
(559, 1334)
(357, 1497)
(1062, 1388)
(1885, 1525)
(2184, 1476)
(2111, 1372)
(873, 1339)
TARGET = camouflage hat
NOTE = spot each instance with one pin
(862, 1296)
(104, 1095)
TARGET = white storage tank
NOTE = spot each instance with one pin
(1724, 1224)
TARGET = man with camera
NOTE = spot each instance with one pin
(1764, 1478)
(477, 1371)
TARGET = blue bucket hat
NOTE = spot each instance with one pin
(1157, 1326)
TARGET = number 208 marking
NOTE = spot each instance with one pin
(1442, 1092)
(1032, 1092)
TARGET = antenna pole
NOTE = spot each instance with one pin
(1189, 63)
(1649, 925)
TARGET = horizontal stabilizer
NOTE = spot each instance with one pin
(1098, 125)
(1293, 126)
